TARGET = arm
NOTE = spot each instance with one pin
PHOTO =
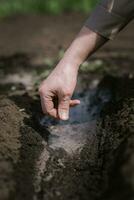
(61, 82)
(104, 23)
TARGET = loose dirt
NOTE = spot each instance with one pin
(91, 156)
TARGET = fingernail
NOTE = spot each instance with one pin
(64, 115)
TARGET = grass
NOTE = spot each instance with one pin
(9, 7)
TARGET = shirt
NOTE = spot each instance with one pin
(110, 16)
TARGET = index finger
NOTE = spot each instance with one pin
(47, 103)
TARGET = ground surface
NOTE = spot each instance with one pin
(44, 35)
(92, 155)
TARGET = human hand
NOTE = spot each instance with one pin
(61, 82)
(59, 86)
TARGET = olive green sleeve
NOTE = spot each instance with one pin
(110, 16)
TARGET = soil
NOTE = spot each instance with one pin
(42, 36)
(100, 168)
(91, 156)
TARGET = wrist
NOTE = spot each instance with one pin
(68, 63)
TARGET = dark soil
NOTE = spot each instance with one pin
(42, 36)
(91, 156)
(101, 169)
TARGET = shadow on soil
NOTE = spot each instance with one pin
(101, 169)
(88, 157)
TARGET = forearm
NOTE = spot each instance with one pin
(85, 43)
(60, 84)
(108, 18)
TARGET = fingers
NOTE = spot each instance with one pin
(48, 107)
(47, 104)
(63, 107)
(61, 110)
(74, 102)
(64, 104)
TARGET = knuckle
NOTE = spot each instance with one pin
(42, 89)
(65, 99)
(49, 113)
(45, 110)
(66, 94)
(63, 108)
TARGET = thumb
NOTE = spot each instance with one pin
(63, 107)
(74, 102)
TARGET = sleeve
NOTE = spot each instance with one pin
(111, 16)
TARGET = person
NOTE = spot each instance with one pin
(108, 18)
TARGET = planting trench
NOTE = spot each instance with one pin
(91, 156)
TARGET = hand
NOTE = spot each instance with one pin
(59, 86)
(61, 82)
